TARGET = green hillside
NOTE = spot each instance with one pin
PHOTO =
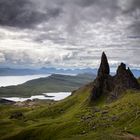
(53, 83)
(73, 119)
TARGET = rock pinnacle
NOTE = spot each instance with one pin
(104, 66)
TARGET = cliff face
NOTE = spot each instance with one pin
(105, 84)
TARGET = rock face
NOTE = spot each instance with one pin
(105, 84)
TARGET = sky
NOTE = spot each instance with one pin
(69, 33)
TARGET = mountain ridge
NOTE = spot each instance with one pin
(21, 72)
(44, 70)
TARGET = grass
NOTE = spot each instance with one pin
(73, 119)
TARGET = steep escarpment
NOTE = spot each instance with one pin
(113, 86)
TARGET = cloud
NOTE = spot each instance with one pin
(131, 8)
(130, 5)
(28, 13)
(2, 58)
(23, 13)
(69, 33)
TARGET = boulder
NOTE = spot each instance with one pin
(17, 115)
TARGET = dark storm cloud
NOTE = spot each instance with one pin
(132, 9)
(22, 13)
(25, 13)
(132, 5)
(135, 4)
(68, 13)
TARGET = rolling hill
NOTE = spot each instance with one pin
(53, 83)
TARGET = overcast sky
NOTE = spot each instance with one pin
(69, 33)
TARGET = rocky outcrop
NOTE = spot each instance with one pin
(105, 84)
(125, 78)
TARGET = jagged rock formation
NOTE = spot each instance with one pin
(105, 84)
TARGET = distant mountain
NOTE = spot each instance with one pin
(15, 72)
(67, 71)
(53, 83)
(44, 70)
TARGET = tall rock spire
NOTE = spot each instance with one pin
(104, 66)
(102, 82)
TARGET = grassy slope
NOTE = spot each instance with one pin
(73, 119)
(53, 83)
